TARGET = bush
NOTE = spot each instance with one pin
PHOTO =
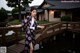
(3, 15)
(66, 18)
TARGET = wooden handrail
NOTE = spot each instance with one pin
(54, 27)
(50, 29)
(4, 30)
(72, 25)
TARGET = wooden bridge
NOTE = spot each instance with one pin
(53, 29)
(50, 29)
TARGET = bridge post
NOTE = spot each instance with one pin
(66, 25)
(54, 37)
(4, 42)
(73, 35)
(16, 35)
(40, 45)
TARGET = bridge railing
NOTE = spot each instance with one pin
(55, 28)
(4, 30)
(46, 25)
(71, 25)
(49, 30)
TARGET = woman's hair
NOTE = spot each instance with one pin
(33, 8)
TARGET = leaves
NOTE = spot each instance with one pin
(19, 4)
(13, 3)
(3, 15)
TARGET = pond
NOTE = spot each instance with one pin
(65, 43)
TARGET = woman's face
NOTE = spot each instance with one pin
(33, 13)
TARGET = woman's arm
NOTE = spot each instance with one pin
(40, 26)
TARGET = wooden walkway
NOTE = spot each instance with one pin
(50, 30)
(16, 48)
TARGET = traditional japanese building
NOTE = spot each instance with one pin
(53, 10)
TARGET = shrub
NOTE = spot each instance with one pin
(3, 15)
(66, 18)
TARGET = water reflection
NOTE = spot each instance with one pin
(65, 43)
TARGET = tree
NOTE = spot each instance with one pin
(14, 10)
(19, 4)
(3, 17)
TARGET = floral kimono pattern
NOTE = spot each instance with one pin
(29, 25)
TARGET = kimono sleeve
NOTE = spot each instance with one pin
(24, 23)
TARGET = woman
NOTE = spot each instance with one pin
(30, 24)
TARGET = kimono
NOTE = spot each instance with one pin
(29, 24)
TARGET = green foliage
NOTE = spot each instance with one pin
(66, 18)
(15, 22)
(42, 22)
(18, 4)
(15, 10)
(14, 3)
(3, 15)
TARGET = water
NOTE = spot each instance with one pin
(64, 43)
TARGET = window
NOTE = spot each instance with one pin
(57, 14)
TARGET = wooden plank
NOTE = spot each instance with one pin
(16, 48)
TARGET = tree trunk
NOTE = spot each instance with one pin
(19, 10)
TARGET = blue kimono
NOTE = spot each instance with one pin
(29, 24)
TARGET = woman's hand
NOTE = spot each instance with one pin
(41, 26)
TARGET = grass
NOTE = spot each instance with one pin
(16, 21)
(43, 22)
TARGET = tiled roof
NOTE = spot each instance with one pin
(62, 5)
